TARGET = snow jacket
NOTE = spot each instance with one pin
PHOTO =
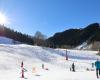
(97, 64)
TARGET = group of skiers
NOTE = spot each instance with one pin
(97, 65)
(72, 68)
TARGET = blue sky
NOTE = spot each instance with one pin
(50, 16)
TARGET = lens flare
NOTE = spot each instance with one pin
(3, 18)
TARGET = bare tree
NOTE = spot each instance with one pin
(39, 39)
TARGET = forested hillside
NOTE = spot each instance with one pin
(17, 36)
(75, 37)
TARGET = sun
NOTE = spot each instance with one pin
(3, 18)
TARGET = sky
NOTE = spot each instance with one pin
(49, 16)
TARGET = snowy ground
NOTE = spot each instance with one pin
(33, 57)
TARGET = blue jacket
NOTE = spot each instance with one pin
(97, 64)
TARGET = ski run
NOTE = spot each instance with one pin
(25, 62)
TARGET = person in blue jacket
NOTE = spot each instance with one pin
(97, 65)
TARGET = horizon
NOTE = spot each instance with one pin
(49, 16)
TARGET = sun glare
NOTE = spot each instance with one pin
(3, 18)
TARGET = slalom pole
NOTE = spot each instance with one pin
(22, 76)
(22, 70)
(22, 64)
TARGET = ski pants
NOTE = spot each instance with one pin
(97, 72)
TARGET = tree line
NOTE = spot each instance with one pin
(38, 38)
(16, 36)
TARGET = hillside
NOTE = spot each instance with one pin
(33, 57)
(74, 37)
(16, 36)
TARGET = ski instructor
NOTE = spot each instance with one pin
(97, 65)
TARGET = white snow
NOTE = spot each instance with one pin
(5, 40)
(33, 57)
(84, 46)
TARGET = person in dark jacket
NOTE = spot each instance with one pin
(97, 65)
(73, 67)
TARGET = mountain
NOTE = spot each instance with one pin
(74, 37)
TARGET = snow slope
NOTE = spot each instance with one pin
(5, 40)
(33, 57)
(84, 46)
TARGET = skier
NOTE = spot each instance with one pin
(92, 65)
(97, 65)
(42, 66)
(73, 67)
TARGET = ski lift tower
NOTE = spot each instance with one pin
(66, 55)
